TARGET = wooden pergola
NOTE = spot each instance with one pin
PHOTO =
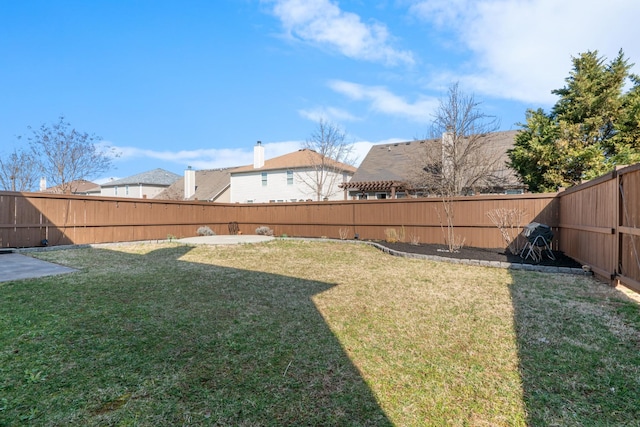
(369, 186)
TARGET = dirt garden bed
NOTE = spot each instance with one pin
(497, 254)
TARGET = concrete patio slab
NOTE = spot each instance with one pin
(17, 267)
(14, 266)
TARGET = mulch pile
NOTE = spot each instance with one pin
(498, 254)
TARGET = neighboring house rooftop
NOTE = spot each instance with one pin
(159, 177)
(388, 167)
(303, 158)
(209, 183)
(79, 186)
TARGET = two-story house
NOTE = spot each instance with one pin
(299, 176)
(146, 185)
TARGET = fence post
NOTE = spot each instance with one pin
(617, 249)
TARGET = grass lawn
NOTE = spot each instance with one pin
(311, 333)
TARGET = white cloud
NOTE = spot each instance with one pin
(441, 12)
(208, 158)
(522, 48)
(200, 158)
(328, 113)
(322, 22)
(381, 100)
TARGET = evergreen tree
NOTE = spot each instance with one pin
(593, 127)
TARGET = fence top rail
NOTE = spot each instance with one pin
(596, 181)
(629, 169)
(39, 195)
(619, 170)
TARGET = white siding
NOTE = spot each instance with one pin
(136, 191)
(247, 186)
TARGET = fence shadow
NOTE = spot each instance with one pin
(228, 346)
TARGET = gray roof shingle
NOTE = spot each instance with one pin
(158, 177)
(395, 162)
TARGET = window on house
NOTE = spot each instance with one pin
(115, 190)
(381, 195)
(362, 196)
(264, 179)
(289, 177)
(250, 201)
(126, 190)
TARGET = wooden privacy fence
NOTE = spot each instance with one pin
(28, 218)
(600, 223)
(596, 223)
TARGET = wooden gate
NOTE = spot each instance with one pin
(628, 230)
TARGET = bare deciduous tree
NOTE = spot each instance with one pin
(329, 152)
(65, 155)
(18, 171)
(460, 158)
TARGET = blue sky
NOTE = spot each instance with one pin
(173, 84)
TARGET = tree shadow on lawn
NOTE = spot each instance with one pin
(155, 340)
(578, 346)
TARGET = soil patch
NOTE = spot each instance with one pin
(497, 254)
